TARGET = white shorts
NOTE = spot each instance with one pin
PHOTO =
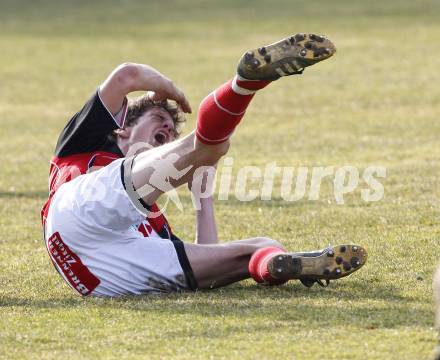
(92, 238)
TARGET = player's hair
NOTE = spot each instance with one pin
(140, 105)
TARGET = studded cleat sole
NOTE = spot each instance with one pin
(328, 264)
(289, 56)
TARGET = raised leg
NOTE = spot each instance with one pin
(221, 111)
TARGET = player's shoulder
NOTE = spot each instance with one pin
(65, 169)
(95, 107)
(88, 129)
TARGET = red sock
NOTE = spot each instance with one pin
(221, 111)
(258, 265)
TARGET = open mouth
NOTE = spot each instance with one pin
(161, 137)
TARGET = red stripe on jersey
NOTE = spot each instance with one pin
(145, 229)
(71, 266)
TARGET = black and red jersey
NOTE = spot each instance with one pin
(84, 145)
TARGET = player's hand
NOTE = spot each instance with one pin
(167, 90)
(129, 77)
(176, 95)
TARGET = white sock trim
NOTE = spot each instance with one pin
(241, 78)
(214, 142)
(261, 270)
(239, 90)
(226, 110)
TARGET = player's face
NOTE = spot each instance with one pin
(155, 127)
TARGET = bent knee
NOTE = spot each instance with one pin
(266, 242)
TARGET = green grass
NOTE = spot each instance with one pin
(376, 103)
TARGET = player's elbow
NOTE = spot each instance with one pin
(125, 76)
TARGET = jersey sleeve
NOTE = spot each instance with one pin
(89, 128)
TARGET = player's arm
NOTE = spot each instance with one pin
(130, 77)
(206, 227)
(105, 111)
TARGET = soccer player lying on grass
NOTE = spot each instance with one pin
(103, 230)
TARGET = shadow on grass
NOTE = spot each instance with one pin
(356, 303)
(274, 202)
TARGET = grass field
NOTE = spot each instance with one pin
(376, 102)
